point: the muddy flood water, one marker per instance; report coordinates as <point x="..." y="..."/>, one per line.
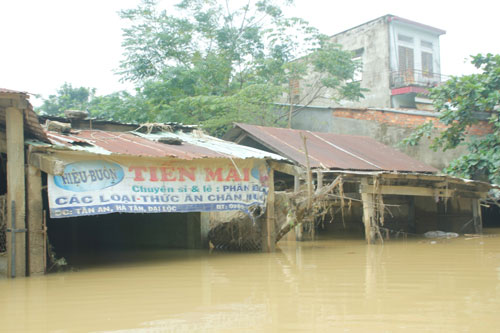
<point x="330" y="285"/>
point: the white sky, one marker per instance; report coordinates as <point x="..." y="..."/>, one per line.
<point x="46" y="43"/>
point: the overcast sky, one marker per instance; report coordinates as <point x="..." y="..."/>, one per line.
<point x="46" y="43"/>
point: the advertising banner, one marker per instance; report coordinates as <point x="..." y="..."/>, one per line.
<point x="101" y="187"/>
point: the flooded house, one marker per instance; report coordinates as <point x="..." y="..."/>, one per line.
<point x="77" y="184"/>
<point x="380" y="191"/>
<point x="93" y="185"/>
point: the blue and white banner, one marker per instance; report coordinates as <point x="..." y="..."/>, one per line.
<point x="103" y="187"/>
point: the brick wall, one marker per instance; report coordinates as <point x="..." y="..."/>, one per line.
<point x="404" y="120"/>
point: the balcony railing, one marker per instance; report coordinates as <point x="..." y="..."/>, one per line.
<point x="416" y="78"/>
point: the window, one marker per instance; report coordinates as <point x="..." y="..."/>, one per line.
<point x="406" y="63"/>
<point x="426" y="44"/>
<point x="358" y="58"/>
<point x="404" y="38"/>
<point x="427" y="69"/>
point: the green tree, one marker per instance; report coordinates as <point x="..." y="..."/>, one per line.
<point x="210" y="63"/>
<point x="67" y="98"/>
<point x="461" y="103"/>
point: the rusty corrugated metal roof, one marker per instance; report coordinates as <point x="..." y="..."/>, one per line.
<point x="333" y="151"/>
<point x="193" y="145"/>
<point x="9" y="91"/>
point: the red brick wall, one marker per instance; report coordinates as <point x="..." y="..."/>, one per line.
<point x="404" y="120"/>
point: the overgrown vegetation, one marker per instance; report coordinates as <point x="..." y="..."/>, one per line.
<point x="209" y="63"/>
<point x="462" y="102"/>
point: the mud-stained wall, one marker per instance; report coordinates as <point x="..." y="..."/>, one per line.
<point x="405" y="214"/>
<point x="371" y="42"/>
<point x="454" y="214"/>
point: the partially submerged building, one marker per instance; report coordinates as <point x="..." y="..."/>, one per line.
<point x="384" y="191"/>
<point x="94" y="188"/>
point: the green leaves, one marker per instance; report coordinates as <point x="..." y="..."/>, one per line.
<point x="213" y="63"/>
<point x="67" y="98"/>
<point x="462" y="102"/>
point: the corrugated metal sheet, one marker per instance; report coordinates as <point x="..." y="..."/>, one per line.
<point x="333" y="151"/>
<point x="9" y="91"/>
<point x="194" y="145"/>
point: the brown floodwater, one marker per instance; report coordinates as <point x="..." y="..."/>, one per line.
<point x="330" y="285"/>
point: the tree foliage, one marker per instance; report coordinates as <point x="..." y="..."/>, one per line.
<point x="210" y="63"/>
<point x="214" y="64"/>
<point x="463" y="102"/>
<point x="67" y="97"/>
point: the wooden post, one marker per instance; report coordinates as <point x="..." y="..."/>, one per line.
<point x="16" y="204"/>
<point x="319" y="177"/>
<point x="269" y="244"/>
<point x="476" y="215"/>
<point x="36" y="231"/>
<point x="368" y="214"/>
<point x="298" y="229"/>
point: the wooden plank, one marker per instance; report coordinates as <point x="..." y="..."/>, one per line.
<point x="368" y="213"/>
<point x="289" y="169"/>
<point x="476" y="215"/>
<point x="36" y="237"/>
<point x="408" y="190"/>
<point x="47" y="163"/>
<point x="240" y="138"/>
<point x="15" y="192"/>
<point x="319" y="178"/>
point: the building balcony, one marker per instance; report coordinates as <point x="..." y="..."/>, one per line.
<point x="416" y="78"/>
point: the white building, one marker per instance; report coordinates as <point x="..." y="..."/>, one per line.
<point x="400" y="61"/>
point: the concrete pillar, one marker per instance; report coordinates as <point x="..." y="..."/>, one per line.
<point x="476" y="215"/>
<point x="36" y="232"/>
<point x="269" y="233"/>
<point x="368" y="213"/>
<point x="16" y="204"/>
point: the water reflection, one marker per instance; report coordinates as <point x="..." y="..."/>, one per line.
<point x="327" y="285"/>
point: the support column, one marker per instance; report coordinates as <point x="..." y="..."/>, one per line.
<point x="36" y="232"/>
<point x="299" y="228"/>
<point x="16" y="205"/>
<point x="269" y="232"/>
<point x="368" y="213"/>
<point x="319" y="178"/>
<point x="476" y="215"/>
